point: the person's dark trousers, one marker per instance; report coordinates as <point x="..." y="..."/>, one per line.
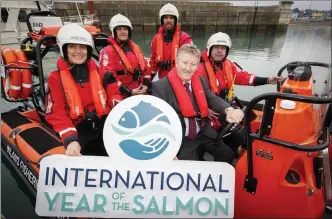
<point x="220" y="151"/>
<point x="188" y="149"/>
<point x="194" y="155"/>
<point x="91" y="137"/>
<point x="236" y="138"/>
<point x="92" y="143"/>
<point x="233" y="141"/>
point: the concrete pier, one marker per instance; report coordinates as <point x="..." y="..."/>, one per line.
<point x="210" y="16"/>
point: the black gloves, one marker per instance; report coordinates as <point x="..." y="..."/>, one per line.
<point x="125" y="90"/>
<point x="148" y="83"/>
<point x="223" y="93"/>
<point x="260" y="81"/>
<point x="137" y="73"/>
<point x="108" y="79"/>
<point x="164" y="65"/>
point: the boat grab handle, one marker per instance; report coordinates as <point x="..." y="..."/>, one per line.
<point x="250" y="180"/>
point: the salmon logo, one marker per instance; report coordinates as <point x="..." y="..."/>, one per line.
<point x="142" y="127"/>
<point x="145" y="128"/>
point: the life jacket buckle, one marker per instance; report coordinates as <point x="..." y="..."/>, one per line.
<point x="137" y="74"/>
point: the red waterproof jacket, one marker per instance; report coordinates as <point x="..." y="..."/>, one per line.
<point x="121" y="64"/>
<point x="169" y="49"/>
<point x="68" y="100"/>
<point x="223" y="78"/>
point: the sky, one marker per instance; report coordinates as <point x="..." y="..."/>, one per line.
<point x="318" y="5"/>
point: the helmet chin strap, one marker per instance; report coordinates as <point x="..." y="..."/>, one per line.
<point x="227" y="51"/>
<point x="174" y="26"/>
<point x="65" y="55"/>
<point x="217" y="62"/>
<point x="122" y="41"/>
<point x="169" y="30"/>
<point x="116" y="37"/>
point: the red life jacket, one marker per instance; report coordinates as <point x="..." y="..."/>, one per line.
<point x="135" y="48"/>
<point x="72" y="95"/>
<point x="160" y="44"/>
<point x="226" y="73"/>
<point x="187" y="108"/>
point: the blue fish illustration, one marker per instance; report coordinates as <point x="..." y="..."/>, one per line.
<point x="135" y="124"/>
<point x="142" y="152"/>
<point x="141" y="114"/>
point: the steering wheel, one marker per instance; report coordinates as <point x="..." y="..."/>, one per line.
<point x="292" y="65"/>
<point x="226" y="130"/>
<point x="289" y="65"/>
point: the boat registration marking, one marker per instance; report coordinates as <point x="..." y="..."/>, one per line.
<point x="31" y="178"/>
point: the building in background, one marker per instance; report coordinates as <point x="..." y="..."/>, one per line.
<point x="308" y="14"/>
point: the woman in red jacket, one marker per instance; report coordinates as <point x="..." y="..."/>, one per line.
<point x="76" y="105"/>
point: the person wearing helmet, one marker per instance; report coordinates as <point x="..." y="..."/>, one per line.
<point x="166" y="43"/>
<point x="221" y="73"/>
<point x="122" y="64"/>
<point x="76" y="102"/>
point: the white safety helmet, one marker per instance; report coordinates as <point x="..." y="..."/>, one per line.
<point x="74" y="34"/>
<point x="220" y="39"/>
<point x="168" y="9"/>
<point x="120" y="20"/>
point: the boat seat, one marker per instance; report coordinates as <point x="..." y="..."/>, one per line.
<point x="35" y="135"/>
<point x="13" y="119"/>
<point x="43" y="143"/>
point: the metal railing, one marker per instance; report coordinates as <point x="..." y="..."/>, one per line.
<point x="80" y="19"/>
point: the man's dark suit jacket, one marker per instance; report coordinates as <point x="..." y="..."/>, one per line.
<point x="163" y="89"/>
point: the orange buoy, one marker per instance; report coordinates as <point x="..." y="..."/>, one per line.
<point x="26" y="75"/>
<point x="14" y="79"/>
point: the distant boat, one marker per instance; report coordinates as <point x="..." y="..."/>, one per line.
<point x="14" y="27"/>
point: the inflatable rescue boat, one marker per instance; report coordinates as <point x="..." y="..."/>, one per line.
<point x="25" y="136"/>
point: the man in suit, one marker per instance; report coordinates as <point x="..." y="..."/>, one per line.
<point x="191" y="98"/>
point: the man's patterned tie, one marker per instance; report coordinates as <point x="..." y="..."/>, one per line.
<point x="192" y="121"/>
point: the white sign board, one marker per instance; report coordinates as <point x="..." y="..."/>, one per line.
<point x="140" y="179"/>
<point x="89" y="187"/>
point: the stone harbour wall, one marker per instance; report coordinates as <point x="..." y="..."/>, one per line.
<point x="144" y="15"/>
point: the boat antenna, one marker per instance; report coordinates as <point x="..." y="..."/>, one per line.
<point x="38" y="5"/>
<point x="79" y="14"/>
